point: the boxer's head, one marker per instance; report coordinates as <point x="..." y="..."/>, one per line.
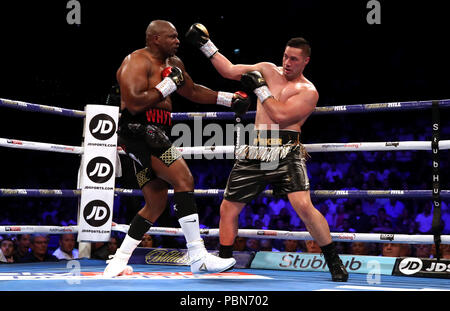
<point x="296" y="56"/>
<point x="163" y="36"/>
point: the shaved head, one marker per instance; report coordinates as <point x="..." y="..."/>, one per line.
<point x="157" y="27"/>
<point x="162" y="36"/>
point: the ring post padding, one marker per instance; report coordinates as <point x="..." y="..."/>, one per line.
<point x="97" y="174"/>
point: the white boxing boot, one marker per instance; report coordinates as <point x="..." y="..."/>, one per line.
<point x="118" y="264"/>
<point x="203" y="262"/>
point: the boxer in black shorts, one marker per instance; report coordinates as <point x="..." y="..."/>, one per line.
<point x="147" y="78"/>
<point x="285" y="172"/>
<point x="142" y="137"/>
<point x="285" y="100"/>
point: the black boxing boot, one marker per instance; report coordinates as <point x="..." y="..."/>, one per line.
<point x="334" y="263"/>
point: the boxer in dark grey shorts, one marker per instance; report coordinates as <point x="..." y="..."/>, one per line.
<point x="249" y="176"/>
<point x="285" y="100"/>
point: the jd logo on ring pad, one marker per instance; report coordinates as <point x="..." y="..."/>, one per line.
<point x="99" y="170"/>
<point x="96" y="213"/>
<point x="102" y="127"/>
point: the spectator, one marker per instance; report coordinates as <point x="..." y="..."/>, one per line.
<point x="253" y="245"/>
<point x="147" y="241"/>
<point x="404" y="222"/>
<point x="445" y="251"/>
<point x="334" y="176"/>
<point x="395" y="250"/>
<point x="385" y="227"/>
<point x="312" y="247"/>
<point x="22" y="246"/>
<point x="446" y="219"/>
<point x="359" y="248"/>
<point x="341" y="215"/>
<point x="422" y="250"/>
<point x="262" y="216"/>
<point x="99" y="250"/>
<point x="373" y="223"/>
<point x="246" y="217"/>
<point x="66" y="249"/>
<point x="291" y="246"/>
<point x="39" y="250"/>
<point x="7" y="248"/>
<point x="370" y="206"/>
<point x="276" y="205"/>
<point x="2" y="257"/>
<point x="394" y="208"/>
<point x="345" y="226"/>
<point x="360" y="220"/>
<point x="113" y="245"/>
<point x="424" y="219"/>
<point x="266" y="245"/>
<point x="240" y="244"/>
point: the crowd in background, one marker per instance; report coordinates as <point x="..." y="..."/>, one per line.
<point x="378" y="170"/>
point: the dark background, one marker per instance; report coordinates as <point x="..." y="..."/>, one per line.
<point x="47" y="61"/>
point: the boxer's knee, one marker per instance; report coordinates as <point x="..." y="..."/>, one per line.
<point x="230" y="210"/>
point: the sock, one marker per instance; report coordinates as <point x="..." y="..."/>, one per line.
<point x="225" y="251"/>
<point x="184" y="204"/>
<point x="138" y="227"/>
<point x="129" y="245"/>
<point x="190" y="226"/>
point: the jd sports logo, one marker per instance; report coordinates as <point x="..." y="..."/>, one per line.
<point x="102" y="126"/>
<point x="99" y="170"/>
<point x="410" y="265"/>
<point x="96" y="213"/>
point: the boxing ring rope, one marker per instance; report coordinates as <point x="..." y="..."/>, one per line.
<point x="183" y="116"/>
<point x="315" y="194"/>
<point x="247" y="233"/>
<point x="229" y="150"/>
<point x="250" y="233"/>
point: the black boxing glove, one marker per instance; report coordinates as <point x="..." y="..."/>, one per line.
<point x="254" y="81"/>
<point x="198" y="36"/>
<point x="113" y="98"/>
<point x="238" y="101"/>
<point x="172" y="79"/>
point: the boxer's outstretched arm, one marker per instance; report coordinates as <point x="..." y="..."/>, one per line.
<point x="192" y="91"/>
<point x="198" y="36"/>
<point x="231" y="71"/>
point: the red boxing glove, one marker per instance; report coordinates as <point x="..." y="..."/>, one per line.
<point x="172" y="79"/>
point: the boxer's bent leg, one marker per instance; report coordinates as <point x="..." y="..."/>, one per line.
<point x="155" y="193"/>
<point x="180" y="177"/>
<point x="314" y="221"/>
<point x="228" y="226"/>
<point x="245" y="182"/>
<point x="318" y="227"/>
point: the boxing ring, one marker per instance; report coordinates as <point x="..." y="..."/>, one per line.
<point x="86" y="274"/>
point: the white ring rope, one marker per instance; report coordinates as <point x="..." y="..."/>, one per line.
<point x="213" y="150"/>
<point x="247" y="233"/>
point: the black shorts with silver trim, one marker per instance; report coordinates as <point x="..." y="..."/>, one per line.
<point x="249" y="177"/>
